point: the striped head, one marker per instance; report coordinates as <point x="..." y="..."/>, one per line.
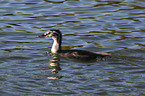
<point x="53" y="33"/>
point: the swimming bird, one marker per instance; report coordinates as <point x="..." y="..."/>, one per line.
<point x="79" y="54"/>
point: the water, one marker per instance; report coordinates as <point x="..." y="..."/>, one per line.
<point x="114" y="26"/>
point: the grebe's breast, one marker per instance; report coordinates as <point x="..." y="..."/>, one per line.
<point x="82" y="54"/>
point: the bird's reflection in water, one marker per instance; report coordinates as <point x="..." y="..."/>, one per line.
<point x="55" y="66"/>
<point x="54" y="63"/>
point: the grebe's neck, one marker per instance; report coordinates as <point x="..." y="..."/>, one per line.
<point x="56" y="45"/>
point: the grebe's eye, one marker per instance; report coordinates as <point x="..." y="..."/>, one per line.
<point x="54" y="34"/>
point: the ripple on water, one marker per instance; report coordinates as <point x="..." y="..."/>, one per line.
<point x="106" y="26"/>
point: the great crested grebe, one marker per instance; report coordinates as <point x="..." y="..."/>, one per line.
<point x="79" y="54"/>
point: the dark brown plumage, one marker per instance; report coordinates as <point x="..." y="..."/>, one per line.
<point x="78" y="54"/>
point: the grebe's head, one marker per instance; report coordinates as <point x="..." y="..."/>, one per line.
<point x="53" y="33"/>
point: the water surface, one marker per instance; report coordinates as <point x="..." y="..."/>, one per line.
<point x="114" y="26"/>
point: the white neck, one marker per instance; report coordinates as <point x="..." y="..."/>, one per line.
<point x="55" y="47"/>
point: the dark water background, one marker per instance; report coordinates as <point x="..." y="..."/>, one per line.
<point x="114" y="26"/>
